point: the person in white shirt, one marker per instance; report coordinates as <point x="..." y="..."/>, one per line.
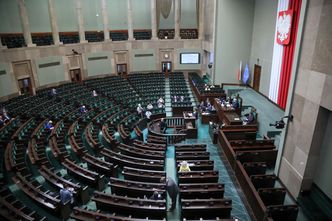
<point x="94" y="93"/>
<point x="140" y="110"/>
<point x="149" y="107"/>
<point x="148" y="114"/>
<point x="160" y="102"/>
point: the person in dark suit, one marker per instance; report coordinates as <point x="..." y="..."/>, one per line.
<point x="163" y="125"/>
<point x="172" y="190"/>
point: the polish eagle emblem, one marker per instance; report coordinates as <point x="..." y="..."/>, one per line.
<point x="284" y="27"/>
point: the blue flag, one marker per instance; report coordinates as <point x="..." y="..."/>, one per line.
<point x="246" y="75"/>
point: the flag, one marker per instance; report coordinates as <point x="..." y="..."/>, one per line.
<point x="239" y="72"/>
<point x="246" y="74"/>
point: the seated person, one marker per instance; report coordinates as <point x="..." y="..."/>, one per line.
<point x="66" y="195"/>
<point x="94" y="93"/>
<point x="148" y="114"/>
<point x="175" y="98"/>
<point x="53" y="92"/>
<point x="184" y="167"/>
<point x="149" y="107"/>
<point x="156" y="195"/>
<point x="250" y="118"/>
<point x="235" y="103"/>
<point x="83" y="109"/>
<point x="117" y="136"/>
<point x="160" y="102"/>
<point x="49" y="125"/>
<point x="139" y="110"/>
<point x="5" y="117"/>
<point x="195" y="113"/>
<point x="163" y="125"/>
<point x="181" y="98"/>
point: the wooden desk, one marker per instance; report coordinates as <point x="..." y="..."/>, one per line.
<point x="189" y="117"/>
<point x="209" y="117"/>
<point x="232" y="118"/>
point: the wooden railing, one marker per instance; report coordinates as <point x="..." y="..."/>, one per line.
<point x="174" y="122"/>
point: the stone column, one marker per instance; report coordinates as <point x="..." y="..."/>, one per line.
<point x="105" y="20"/>
<point x="25" y="24"/>
<point x="81" y="29"/>
<point x="54" y="25"/>
<point x="177" y="19"/>
<point x="201" y="19"/>
<point x="130" y="21"/>
<point x="153" y="20"/>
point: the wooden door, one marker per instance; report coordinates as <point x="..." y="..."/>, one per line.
<point x="75" y="75"/>
<point x="25" y="86"/>
<point x="122" y="70"/>
<point x="257" y="77"/>
<point x="166" y="67"/>
<point x="23" y="74"/>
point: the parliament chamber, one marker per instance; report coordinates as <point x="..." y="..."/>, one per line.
<point x="191" y="110"/>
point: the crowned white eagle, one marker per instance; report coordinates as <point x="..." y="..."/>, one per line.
<point x="283" y="27"/>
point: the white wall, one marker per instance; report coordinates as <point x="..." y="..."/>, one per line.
<point x="262" y="40"/>
<point x="51" y="74"/>
<point x="99" y="63"/>
<point x="234" y="25"/>
<point x="143" y="63"/>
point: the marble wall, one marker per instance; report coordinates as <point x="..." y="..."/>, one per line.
<point x="311" y="99"/>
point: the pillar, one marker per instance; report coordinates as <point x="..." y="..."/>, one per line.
<point x="105" y="20"/>
<point x="153" y="20"/>
<point x="177" y="18"/>
<point x="130" y="21"/>
<point x="81" y="30"/>
<point x="25" y="24"/>
<point x="54" y="25"/>
<point x="201" y="19"/>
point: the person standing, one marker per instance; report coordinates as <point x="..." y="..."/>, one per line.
<point x="172" y="190"/>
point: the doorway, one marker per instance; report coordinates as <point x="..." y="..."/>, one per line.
<point x="122" y="70"/>
<point x="25" y="86"/>
<point x="257" y="77"/>
<point x="166" y="67"/>
<point x="75" y="75"/>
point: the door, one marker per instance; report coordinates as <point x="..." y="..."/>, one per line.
<point x="257" y="77"/>
<point x="122" y="70"/>
<point x="25" y="86"/>
<point x="75" y="75"/>
<point x="166" y="67"/>
<point x="23" y="75"/>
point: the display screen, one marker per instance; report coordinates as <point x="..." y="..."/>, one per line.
<point x="189" y="58"/>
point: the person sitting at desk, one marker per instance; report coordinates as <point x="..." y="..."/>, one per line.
<point x="235" y="103"/>
<point x="250" y="118"/>
<point x="149" y="107"/>
<point x="148" y="114"/>
<point x="139" y="110"/>
<point x="184" y="167"/>
<point x="66" y="195"/>
<point x="163" y="125"/>
<point x="160" y="102"/>
<point x="117" y="136"/>
<point x="49" y="126"/>
<point x="94" y="93"/>
<point x="181" y="98"/>
<point x="53" y="93"/>
<point x="83" y="109"/>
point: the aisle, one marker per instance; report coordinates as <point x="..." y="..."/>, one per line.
<point x="226" y="174"/>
